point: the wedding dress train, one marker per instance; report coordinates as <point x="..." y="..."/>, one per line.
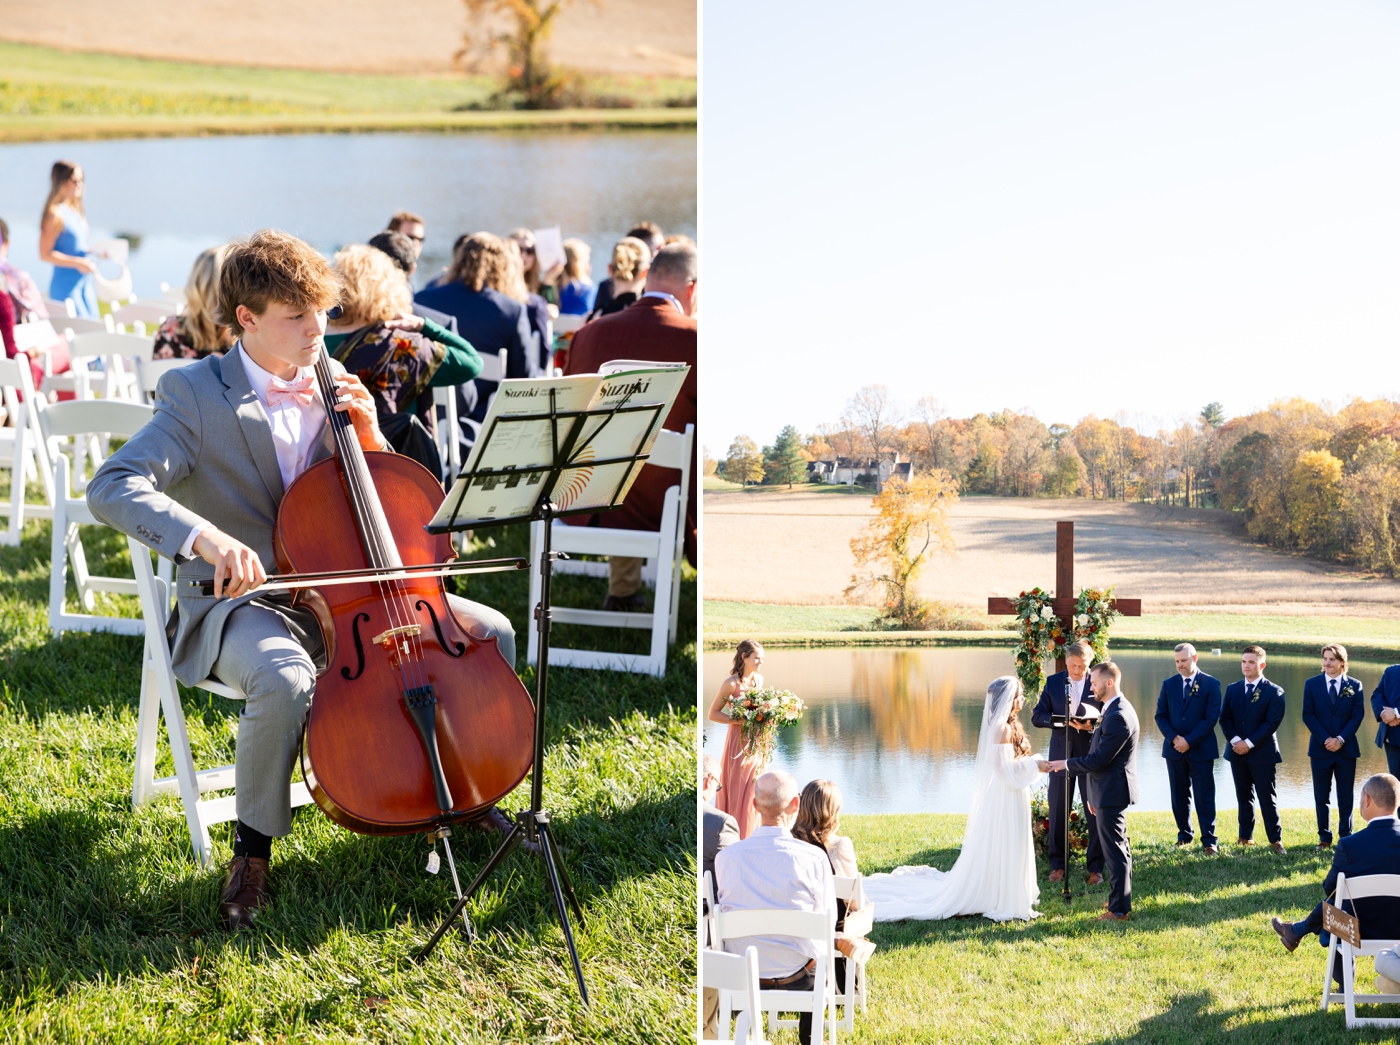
<point x="994" y="875"/>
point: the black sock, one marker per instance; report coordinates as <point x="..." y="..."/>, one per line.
<point x="250" y="842"/>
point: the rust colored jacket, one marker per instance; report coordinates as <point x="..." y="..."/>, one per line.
<point x="652" y="329"/>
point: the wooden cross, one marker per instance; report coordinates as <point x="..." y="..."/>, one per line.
<point x="1063" y="603"/>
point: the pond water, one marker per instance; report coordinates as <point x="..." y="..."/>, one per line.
<point x="896" y="729"/>
<point x="182" y="195"/>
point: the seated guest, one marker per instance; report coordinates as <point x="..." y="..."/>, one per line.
<point x="658" y="328"/>
<point x="409" y="225"/>
<point x="537" y="282"/>
<point x="650" y="234"/>
<point x="1376" y="850"/>
<point x="20" y="302"/>
<point x="772" y="870"/>
<point x="576" y="290"/>
<point x="486" y="317"/>
<point x="721" y="829"/>
<point x="195" y="333"/>
<point x="512" y="285"/>
<point x="818" y="817"/>
<point x="398" y="356"/>
<point x="627" y="274"/>
<point x="404" y="254"/>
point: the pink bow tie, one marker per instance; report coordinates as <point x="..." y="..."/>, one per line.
<point x="279" y="390"/>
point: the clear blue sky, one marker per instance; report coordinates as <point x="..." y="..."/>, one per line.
<point x="1074" y="207"/>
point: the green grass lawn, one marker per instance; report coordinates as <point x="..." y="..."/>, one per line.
<point x="1197" y="963"/>
<point x="45" y="93"/>
<point x="108" y="930"/>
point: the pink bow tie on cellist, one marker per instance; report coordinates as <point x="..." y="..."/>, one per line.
<point x="302" y="391"/>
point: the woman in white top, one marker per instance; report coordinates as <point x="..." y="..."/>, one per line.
<point x="994" y="875"/>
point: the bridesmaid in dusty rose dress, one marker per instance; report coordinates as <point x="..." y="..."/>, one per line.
<point x="737" y="772"/>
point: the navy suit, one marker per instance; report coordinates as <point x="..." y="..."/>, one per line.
<point x="1191" y="711"/>
<point x="1112" y="767"/>
<point x="1326" y="718"/>
<point x="1387" y="695"/>
<point x="1051" y="703"/>
<point x="1254" y="717"/>
<point x="1374" y="850"/>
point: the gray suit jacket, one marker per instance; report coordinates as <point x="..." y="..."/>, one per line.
<point x="721" y="830"/>
<point x="206" y="456"/>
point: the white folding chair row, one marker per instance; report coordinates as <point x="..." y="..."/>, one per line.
<point x="734" y="976"/>
<point x="79" y="419"/>
<point x="150" y="313"/>
<point x="663" y="548"/>
<point x="160" y="695"/>
<point x="817" y="926"/>
<point x="1367" y="886"/>
<point x="858" y="923"/>
<point x="101" y="360"/>
<point x="19" y="444"/>
<point x="74" y="325"/>
<point x="58" y="309"/>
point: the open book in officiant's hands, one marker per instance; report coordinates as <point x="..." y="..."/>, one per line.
<point x="1087" y="714"/>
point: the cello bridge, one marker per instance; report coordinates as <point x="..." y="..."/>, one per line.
<point x="387" y="639"/>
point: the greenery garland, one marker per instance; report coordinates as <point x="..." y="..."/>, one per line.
<point x="1043" y="637"/>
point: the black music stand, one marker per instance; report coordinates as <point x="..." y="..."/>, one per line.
<point x="568" y="442"/>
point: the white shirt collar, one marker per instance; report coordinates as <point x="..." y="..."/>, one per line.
<point x="257" y="376"/>
<point x="1191" y="677"/>
<point x="669" y="297"/>
<point x="1384" y="816"/>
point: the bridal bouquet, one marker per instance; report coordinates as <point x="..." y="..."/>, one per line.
<point x="759" y="713"/>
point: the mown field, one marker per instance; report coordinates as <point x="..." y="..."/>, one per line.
<point x="108" y="931"/>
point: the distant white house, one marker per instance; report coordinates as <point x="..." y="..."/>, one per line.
<point x="849" y="470"/>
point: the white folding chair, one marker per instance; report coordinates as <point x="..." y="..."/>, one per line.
<point x="36" y="336"/>
<point x="161" y="696"/>
<point x="858" y="924"/>
<point x="568" y="324"/>
<point x="19" y="444"/>
<point x="78" y="419"/>
<point x="151" y="313"/>
<point x="173" y="295"/>
<point x="733" y="975"/>
<point x="663" y="548"/>
<point x="449" y="434"/>
<point x="112" y="350"/>
<point x="817" y="926"/>
<point x="150" y="371"/>
<point x="73" y="325"/>
<point x="1371" y="885"/>
<point x="58" y="309"/>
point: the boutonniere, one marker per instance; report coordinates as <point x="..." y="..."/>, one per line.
<point x="1195" y="688"/>
<point x="1255" y="695"/>
<point x="1347" y="691"/>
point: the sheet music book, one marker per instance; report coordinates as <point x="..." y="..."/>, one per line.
<point x="514" y="454"/>
<point x="1087" y="713"/>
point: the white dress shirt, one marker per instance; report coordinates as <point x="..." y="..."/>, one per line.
<point x="1076" y="694"/>
<point x="1235" y="739"/>
<point x="669" y="297"/>
<point x="295" y="428"/>
<point x="772" y="870"/>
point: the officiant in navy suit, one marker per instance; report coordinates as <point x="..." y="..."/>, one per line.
<point x="1385" y="702"/>
<point x="1111" y="766"/>
<point x="1249" y="718"/>
<point x="1073" y="683"/>
<point x="1188" y="708"/>
<point x="1334" y="705"/>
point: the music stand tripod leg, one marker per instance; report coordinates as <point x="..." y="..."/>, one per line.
<point x="547" y="836"/>
<point x="504" y="850"/>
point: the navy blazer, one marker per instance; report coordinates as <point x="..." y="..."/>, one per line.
<point x="1324" y="721"/>
<point x="1112" y="759"/>
<point x="1191" y="716"/>
<point x="1256" y="721"/>
<point x="1376" y="850"/>
<point x="1052" y="702"/>
<point x="1387" y="695"/>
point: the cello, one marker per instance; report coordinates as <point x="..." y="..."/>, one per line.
<point x="415" y="723"/>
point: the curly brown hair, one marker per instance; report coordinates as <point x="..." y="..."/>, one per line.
<point x="818" y="813"/>
<point x="746" y="649"/>
<point x="480" y="261"/>
<point x="1020" y="743"/>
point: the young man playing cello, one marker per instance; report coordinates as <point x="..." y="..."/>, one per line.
<point x="201" y="483"/>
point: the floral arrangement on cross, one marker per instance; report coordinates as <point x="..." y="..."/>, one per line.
<point x="1043" y="636"/>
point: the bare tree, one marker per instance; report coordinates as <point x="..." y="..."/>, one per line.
<point x="873" y="413"/>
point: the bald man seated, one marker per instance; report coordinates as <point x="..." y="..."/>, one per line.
<point x="772" y="870"/>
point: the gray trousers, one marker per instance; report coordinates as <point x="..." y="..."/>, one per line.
<point x="273" y="663"/>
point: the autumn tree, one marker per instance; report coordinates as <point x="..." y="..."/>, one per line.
<point x="743" y="463"/>
<point x="910" y="526"/>
<point x="1371" y="499"/>
<point x="519" y="28"/>
<point x="785" y="461"/>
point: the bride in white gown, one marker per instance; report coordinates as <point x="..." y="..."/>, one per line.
<point x="994" y="875"/>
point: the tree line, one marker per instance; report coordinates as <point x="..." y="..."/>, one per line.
<point x="1303" y="476"/>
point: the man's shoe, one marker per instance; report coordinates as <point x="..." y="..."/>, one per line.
<point x="1095" y="878"/>
<point x="1109" y="916"/>
<point x="625" y="604"/>
<point x="1287" y="935"/>
<point x="1278" y="848"/>
<point x="1323" y="846"/>
<point x="245" y="891"/>
<point x="494" y="820"/>
<point x="1246" y="841"/>
<point x="1057" y="875"/>
<point x="1184" y="845"/>
<point x="1211" y="850"/>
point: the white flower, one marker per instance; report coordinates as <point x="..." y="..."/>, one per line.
<point x="1046" y="612"/>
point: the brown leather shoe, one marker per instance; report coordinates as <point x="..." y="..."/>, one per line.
<point x="1246" y="841"/>
<point x="1211" y="850"/>
<point x="1095" y="878"/>
<point x="1057" y="875"/>
<point x="494" y="820"/>
<point x="1287" y="935"/>
<point x="1184" y="845"/>
<point x="1278" y="848"/>
<point x="245" y="891"/>
<point x="1109" y="916"/>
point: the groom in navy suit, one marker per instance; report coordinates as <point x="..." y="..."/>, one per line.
<point x="1385" y="702"/>
<point x="1334" y="705"/>
<point x="1188" y="708"/>
<point x="1375" y="850"/>
<point x="1072" y="684"/>
<point x="1112" y="767"/>
<point x="1249" y="718"/>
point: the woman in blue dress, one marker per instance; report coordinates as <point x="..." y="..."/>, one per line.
<point x="63" y="241"/>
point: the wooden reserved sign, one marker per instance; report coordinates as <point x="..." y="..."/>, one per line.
<point x="1341" y="925"/>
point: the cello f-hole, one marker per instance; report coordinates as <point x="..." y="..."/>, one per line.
<point x="424" y="604"/>
<point x="359" y="649"/>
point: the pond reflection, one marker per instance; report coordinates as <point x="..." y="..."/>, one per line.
<point x="896" y="729"/>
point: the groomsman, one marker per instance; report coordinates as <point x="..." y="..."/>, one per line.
<point x="1385" y="702"/>
<point x="1249" y="718"/>
<point x="1073" y="684"/>
<point x="1333" y="708"/>
<point x="1188" y="708"/>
